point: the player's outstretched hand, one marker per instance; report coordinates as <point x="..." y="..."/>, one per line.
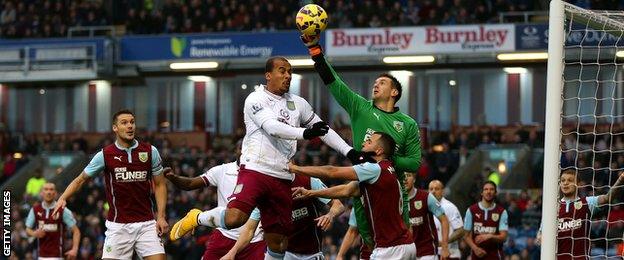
<point x="168" y="172"/>
<point x="300" y="193"/>
<point x="162" y="226"/>
<point x="324" y="222"/>
<point x="482" y="238"/>
<point x="318" y="129"/>
<point x="357" y="157"/>
<point x="40" y="233"/>
<point x="310" y="41"/>
<point x="71" y="254"/>
<point x="60" y="204"/>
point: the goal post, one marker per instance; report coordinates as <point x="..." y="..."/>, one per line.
<point x="584" y="100"/>
<point x="552" y="133"/>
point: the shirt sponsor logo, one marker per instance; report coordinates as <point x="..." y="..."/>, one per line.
<point x="572" y="224"/>
<point x="50" y="227"/>
<point x="479" y="228"/>
<point x="416" y="221"/>
<point x="284" y="114"/>
<point x="131" y="176"/>
<point x="299" y="213"/>
<point x="237" y="189"/>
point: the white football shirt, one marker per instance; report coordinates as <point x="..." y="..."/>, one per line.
<point x="224" y="177"/>
<point x="262" y="152"/>
<point x="455" y="221"/>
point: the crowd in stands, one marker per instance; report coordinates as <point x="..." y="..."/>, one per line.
<point x="52" y="18"/>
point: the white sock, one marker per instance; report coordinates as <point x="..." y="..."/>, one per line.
<point x="270" y="255"/>
<point x="212" y="218"/>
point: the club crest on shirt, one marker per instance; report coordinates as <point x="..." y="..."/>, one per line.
<point x="398" y="125"/>
<point x="495" y="216"/>
<point x="290" y="105"/>
<point x="238" y="189"/>
<point x="418" y="204"/>
<point x="143" y="156"/>
<point x="578" y="205"/>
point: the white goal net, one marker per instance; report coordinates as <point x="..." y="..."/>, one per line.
<point x="584" y="127"/>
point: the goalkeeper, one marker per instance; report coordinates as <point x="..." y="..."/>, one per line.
<point x="368" y="117"/>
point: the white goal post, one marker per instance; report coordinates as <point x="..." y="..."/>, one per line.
<point x="600" y="59"/>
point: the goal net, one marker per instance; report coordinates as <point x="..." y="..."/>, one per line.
<point x="584" y="127"/>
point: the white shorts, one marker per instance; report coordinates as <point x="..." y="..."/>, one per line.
<point x="428" y="257"/>
<point x="293" y="256"/>
<point x="400" y="252"/>
<point x="50" y="258"/>
<point x="122" y="239"/>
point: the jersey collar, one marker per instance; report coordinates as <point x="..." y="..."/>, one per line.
<point x="396" y="109"/>
<point x="490" y="208"/>
<point x="135" y="144"/>
<point x="412" y="193"/>
<point x="45" y="206"/>
<point x="271" y="94"/>
<point x="567" y="200"/>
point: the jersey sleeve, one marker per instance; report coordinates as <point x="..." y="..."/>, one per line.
<point x="307" y="114"/>
<point x="68" y="218"/>
<point x="157" y="168"/>
<point x="434" y="206"/>
<point x="30" y="219"/>
<point x="255" y="214"/>
<point x="468" y="221"/>
<point x="96" y="165"/>
<point x="503" y="224"/>
<point x="211" y="177"/>
<point x="410" y="161"/>
<point x="346" y="98"/>
<point x="592" y="202"/>
<point x="352" y="221"/>
<point x="317" y="184"/>
<point x="367" y="172"/>
<point x="256" y="110"/>
<point x="455" y="219"/>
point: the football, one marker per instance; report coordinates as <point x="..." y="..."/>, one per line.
<point x="311" y="20"/>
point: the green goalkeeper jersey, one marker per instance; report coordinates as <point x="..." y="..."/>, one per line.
<point x="367" y="119"/>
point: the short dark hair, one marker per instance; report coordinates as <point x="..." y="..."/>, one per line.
<point x="121" y="112"/>
<point x="395" y="84"/>
<point x="493" y="184"/>
<point x="569" y="171"/>
<point x="270" y="63"/>
<point x="387" y="143"/>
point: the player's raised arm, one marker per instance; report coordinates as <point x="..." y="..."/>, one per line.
<point x="616" y="189"/>
<point x="347" y="99"/>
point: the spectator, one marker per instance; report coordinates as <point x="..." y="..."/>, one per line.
<point x="35" y="183"/>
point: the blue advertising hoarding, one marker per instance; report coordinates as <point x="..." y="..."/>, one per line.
<point x="99" y="43"/>
<point x="535" y="37"/>
<point x="210" y="46"/>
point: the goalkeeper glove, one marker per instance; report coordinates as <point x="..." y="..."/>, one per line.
<point x="358" y="157"/>
<point x="318" y="129"/>
<point x="312" y="42"/>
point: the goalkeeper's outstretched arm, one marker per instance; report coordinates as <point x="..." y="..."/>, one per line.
<point x="347" y="99"/>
